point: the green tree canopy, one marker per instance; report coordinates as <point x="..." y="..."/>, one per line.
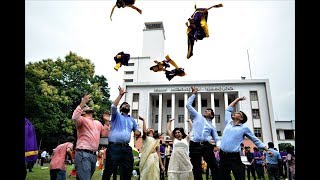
<point x="53" y="89"/>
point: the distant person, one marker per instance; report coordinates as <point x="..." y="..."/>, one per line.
<point x="233" y="135"/>
<point x="89" y="132"/>
<point x="273" y="160"/>
<point x="258" y="163"/>
<point x="291" y="163"/>
<point x="58" y="159"/>
<point x="119" y="153"/>
<point x="43" y="156"/>
<point x="201" y="135"/>
<point x="123" y="4"/>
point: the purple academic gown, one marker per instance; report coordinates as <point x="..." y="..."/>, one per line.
<point x="30" y="139"/>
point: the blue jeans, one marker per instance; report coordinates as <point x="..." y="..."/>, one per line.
<point x="85" y="164"/>
<point x="57" y="174"/>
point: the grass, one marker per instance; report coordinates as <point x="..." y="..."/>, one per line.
<point x="43" y="173"/>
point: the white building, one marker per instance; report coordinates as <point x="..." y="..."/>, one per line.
<point x="286" y="131"/>
<point x="157" y="99"/>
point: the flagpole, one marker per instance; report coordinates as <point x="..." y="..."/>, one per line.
<point x="249" y="63"/>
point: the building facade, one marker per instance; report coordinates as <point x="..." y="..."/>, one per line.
<point x="157" y="100"/>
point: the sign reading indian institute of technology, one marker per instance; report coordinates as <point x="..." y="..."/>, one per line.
<point x="187" y="89"/>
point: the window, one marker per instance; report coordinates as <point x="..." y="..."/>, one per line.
<point x="181" y="118"/>
<point x="156" y="118"/>
<point x="135" y="97"/>
<point x="288" y="134"/>
<point x="253" y="96"/>
<point x="219" y="133"/>
<point x="217" y="118"/>
<point x="128" y="72"/>
<point x="128" y="80"/>
<point x="216" y="103"/>
<point x="204" y="103"/>
<point x="255" y="114"/>
<point x="278" y="134"/>
<point x="157" y="103"/>
<point x="181" y="103"/>
<point x="168" y="103"/>
<point x="257" y="132"/>
<point x="130" y="64"/>
<point x="134" y="114"/>
<point x="168" y="117"/>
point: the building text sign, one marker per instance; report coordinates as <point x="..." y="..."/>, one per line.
<point x="188" y="89"/>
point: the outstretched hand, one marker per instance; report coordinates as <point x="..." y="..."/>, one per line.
<point x="242" y="98"/>
<point x="121" y="90"/>
<point x="171" y="119"/>
<point x="141" y="118"/>
<point x="194" y="90"/>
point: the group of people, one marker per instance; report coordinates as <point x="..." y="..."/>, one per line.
<point x="185" y="157"/>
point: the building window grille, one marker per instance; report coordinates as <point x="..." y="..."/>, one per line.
<point x="181" y="118"/>
<point x="168" y="103"/>
<point x="181" y="103"/>
<point x="288" y="134"/>
<point x="156" y="118"/>
<point x="204" y="103"/>
<point x="216" y="103"/>
<point x="135" y="97"/>
<point x="255" y="114"/>
<point x="257" y="132"/>
<point x="130" y="64"/>
<point x="217" y="118"/>
<point x="157" y="103"/>
<point x="134" y="114"/>
<point x="253" y="96"/>
<point x="128" y="72"/>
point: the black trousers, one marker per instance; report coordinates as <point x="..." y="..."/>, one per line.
<point x="205" y="151"/>
<point x="121" y="157"/>
<point x="231" y="162"/>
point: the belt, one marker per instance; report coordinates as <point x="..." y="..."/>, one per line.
<point x="229" y="153"/>
<point x="119" y="144"/>
<point x="200" y="143"/>
<point x="87" y="151"/>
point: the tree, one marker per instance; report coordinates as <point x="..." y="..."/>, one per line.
<point x="53" y="89"/>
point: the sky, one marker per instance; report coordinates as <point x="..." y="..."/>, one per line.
<point x="254" y="39"/>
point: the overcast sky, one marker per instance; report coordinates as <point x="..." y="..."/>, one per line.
<point x="265" y="28"/>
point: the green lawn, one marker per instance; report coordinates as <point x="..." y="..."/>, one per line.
<point x="43" y="173"/>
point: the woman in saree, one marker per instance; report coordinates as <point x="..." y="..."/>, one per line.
<point x="150" y="155"/>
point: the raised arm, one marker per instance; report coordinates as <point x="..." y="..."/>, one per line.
<point x="121" y="93"/>
<point x="192" y="111"/>
<point x="237" y="100"/>
<point x="144" y="129"/>
<point x="112" y="12"/>
<point x="169" y="128"/>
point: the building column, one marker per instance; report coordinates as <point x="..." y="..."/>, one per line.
<point x="225" y="100"/>
<point x="160" y="113"/>
<point x="199" y="102"/>
<point x="173" y="99"/>
<point x="186" y="116"/>
<point x="213" y="107"/>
